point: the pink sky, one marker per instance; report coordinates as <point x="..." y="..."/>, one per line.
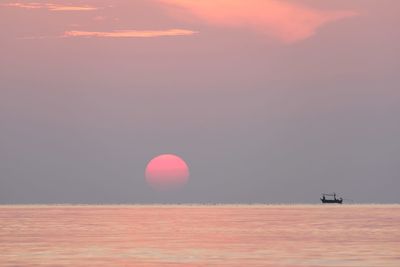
<point x="284" y="21"/>
<point x="265" y="100"/>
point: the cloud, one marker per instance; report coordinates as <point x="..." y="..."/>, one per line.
<point x="129" y="33"/>
<point x="285" y="21"/>
<point x="50" y="7"/>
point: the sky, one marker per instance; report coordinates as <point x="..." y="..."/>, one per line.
<point x="269" y="101"/>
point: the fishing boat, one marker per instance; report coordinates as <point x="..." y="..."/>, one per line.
<point x="331" y="198"/>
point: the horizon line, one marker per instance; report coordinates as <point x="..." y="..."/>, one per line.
<point x="191" y="204"/>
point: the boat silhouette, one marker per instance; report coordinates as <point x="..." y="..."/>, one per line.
<point x="331" y="200"/>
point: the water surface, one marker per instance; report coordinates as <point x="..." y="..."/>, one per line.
<point x="187" y="235"/>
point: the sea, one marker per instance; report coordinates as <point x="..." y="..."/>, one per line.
<point x="200" y="235"/>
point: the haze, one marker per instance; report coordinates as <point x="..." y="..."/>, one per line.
<point x="267" y="101"/>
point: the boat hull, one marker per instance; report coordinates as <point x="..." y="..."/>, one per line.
<point x="332" y="201"/>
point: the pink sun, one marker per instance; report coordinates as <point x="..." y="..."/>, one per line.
<point x="167" y="172"/>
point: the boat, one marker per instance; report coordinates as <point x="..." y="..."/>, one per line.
<point x="327" y="199"/>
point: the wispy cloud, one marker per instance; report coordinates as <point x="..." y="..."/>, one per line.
<point x="50" y="6"/>
<point x="129" y="33"/>
<point x="285" y="21"/>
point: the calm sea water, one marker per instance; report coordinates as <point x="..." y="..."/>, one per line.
<point x="255" y="235"/>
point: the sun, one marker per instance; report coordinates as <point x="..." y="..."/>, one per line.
<point x="166" y="172"/>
